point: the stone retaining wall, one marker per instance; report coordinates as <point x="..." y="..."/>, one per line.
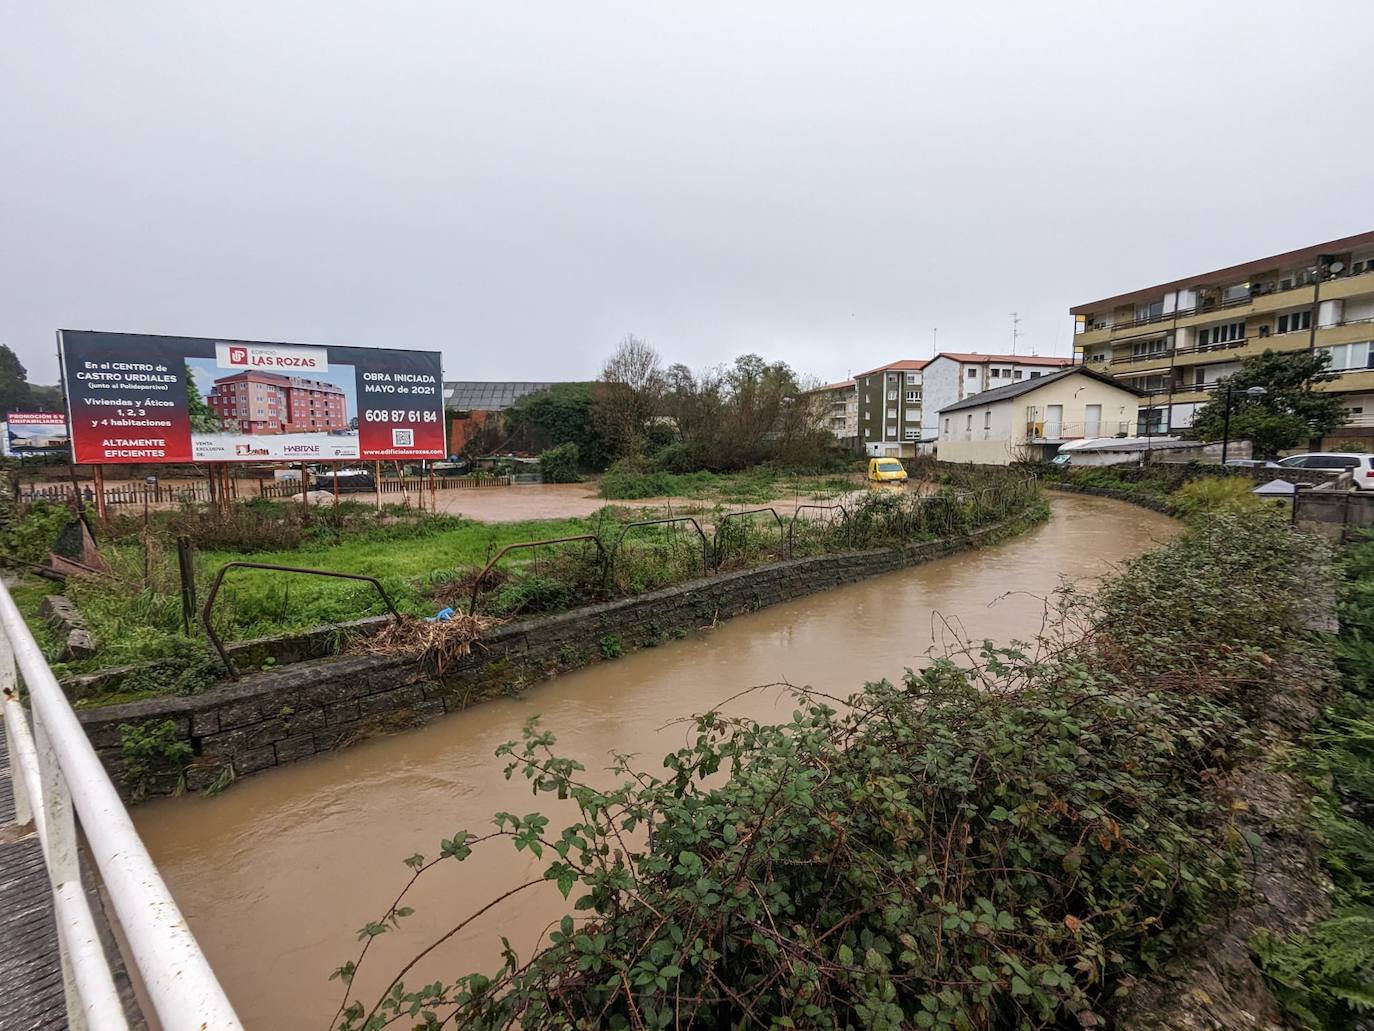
<point x="1154" y="504"/>
<point x="282" y="715"/>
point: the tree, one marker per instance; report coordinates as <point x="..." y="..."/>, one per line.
<point x="629" y="394"/>
<point x="203" y="417"/>
<point x="562" y="414"/>
<point x="1287" y="415"/>
<point x="15" y="392"/>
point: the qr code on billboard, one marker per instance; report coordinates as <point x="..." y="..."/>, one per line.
<point x="402" y="438"/>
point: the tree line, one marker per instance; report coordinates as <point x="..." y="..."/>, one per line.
<point x="645" y="414"/>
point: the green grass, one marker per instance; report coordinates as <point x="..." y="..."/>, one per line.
<point x="258" y="602"/>
<point x="751" y="486"/>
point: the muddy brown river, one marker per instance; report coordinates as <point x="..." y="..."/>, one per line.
<point x="277" y="874"/>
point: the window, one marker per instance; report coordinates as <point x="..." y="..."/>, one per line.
<point x="947" y="429"/>
<point x="913" y="415"/>
<point x="1035" y="375"/>
<point x="912" y="396"/>
<point x="892" y="413"/>
<point x="1148" y="348"/>
<point x="910" y="434"/>
<point x="867" y="397"/>
<point x="1294" y="321"/>
<point x="972" y="373"/>
<point x="1348" y="357"/>
<point x="1149" y="311"/>
<point x="987" y="419"/>
<point x="995" y="374"/>
<point x="913" y="377"/>
<point x="892" y="395"/>
<point x="1226" y="333"/>
<point x="1099" y="358"/>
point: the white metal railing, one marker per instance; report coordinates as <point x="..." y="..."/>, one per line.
<point x="58" y="779"/>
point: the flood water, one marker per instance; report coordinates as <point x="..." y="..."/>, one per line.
<point x="278" y="874"/>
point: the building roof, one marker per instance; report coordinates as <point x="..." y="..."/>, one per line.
<point x="486" y="395"/>
<point x="974" y="358"/>
<point x="1232" y="273"/>
<point x="842" y="385"/>
<point x="901" y="365"/>
<point x="1025" y="386"/>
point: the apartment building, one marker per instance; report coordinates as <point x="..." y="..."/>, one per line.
<point x="1029" y="419"/>
<point x="264" y="402"/>
<point x="889" y="406"/>
<point x="838" y="408"/>
<point x="1175" y="340"/>
<point x="951" y="376"/>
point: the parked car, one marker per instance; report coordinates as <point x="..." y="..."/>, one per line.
<point x="350" y="481"/>
<point x="1249" y="463"/>
<point x="1361" y="466"/>
<point x="886" y="470"/>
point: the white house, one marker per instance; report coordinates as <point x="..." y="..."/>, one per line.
<point x="952" y="376"/>
<point x="1029" y="419"/>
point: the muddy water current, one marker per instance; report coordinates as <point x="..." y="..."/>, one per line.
<point x="278" y="873"/>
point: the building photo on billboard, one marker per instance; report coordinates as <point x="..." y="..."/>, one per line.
<point x="29" y="434"/>
<point x="139" y="398"/>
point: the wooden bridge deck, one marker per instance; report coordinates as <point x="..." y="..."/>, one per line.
<point x="31" y="996"/>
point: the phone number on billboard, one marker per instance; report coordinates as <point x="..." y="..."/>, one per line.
<point x="398" y="415"/>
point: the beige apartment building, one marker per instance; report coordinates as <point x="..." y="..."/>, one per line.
<point x="1029" y="420"/>
<point x="838" y="408"/>
<point x="1174" y="341"/>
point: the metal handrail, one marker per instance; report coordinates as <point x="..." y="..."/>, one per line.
<point x="219" y="579"/>
<point x="791" y="523"/>
<point x="715" y="542"/>
<point x="482" y="576"/>
<point x="620" y="539"/>
<point x="59" y="779"/>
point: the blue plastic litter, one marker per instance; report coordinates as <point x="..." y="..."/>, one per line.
<point x="443" y="615"/>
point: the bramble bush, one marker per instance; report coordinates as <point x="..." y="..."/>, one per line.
<point x="1001" y="840"/>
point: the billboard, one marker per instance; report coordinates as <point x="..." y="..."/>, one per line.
<point x="36" y="433"/>
<point x="135" y="398"/>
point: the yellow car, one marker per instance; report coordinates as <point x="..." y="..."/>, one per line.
<point x="886" y="470"/>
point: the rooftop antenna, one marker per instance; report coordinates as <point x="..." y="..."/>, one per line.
<point x="935" y="341"/>
<point x="1015" y="330"/>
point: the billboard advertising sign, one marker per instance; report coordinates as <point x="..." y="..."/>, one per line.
<point x="135" y="398"/>
<point x="36" y="433"/>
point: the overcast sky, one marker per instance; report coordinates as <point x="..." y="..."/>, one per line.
<point x="521" y="184"/>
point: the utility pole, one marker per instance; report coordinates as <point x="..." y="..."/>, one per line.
<point x="1015" y="330"/>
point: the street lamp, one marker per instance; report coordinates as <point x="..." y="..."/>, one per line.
<point x="1226" y="418"/>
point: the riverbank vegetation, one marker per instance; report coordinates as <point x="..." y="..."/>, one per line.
<point x="428" y="562"/>
<point x="1324" y="977"/>
<point x="1008" y="838"/>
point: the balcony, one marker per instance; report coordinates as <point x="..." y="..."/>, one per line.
<point x="1040" y="432"/>
<point x="1262" y="298"/>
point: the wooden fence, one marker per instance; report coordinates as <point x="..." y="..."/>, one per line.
<point x="404" y="485"/>
<point x="123" y="494"/>
<point x="177" y="493"/>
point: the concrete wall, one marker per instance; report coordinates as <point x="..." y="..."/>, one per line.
<point x="286" y="714"/>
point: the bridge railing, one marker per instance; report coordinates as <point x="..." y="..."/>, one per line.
<point x="58" y="781"/>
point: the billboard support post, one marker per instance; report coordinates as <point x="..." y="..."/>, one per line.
<point x="305" y="488"/>
<point x="377" y="482"/>
<point x="336" y="483"/>
<point x="100" y="492"/>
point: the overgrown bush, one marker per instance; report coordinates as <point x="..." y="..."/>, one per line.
<point x="28" y="532"/>
<point x="1211" y="494"/>
<point x="1000" y="841"/>
<point x="559" y="464"/>
<point x="1325" y="977"/>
